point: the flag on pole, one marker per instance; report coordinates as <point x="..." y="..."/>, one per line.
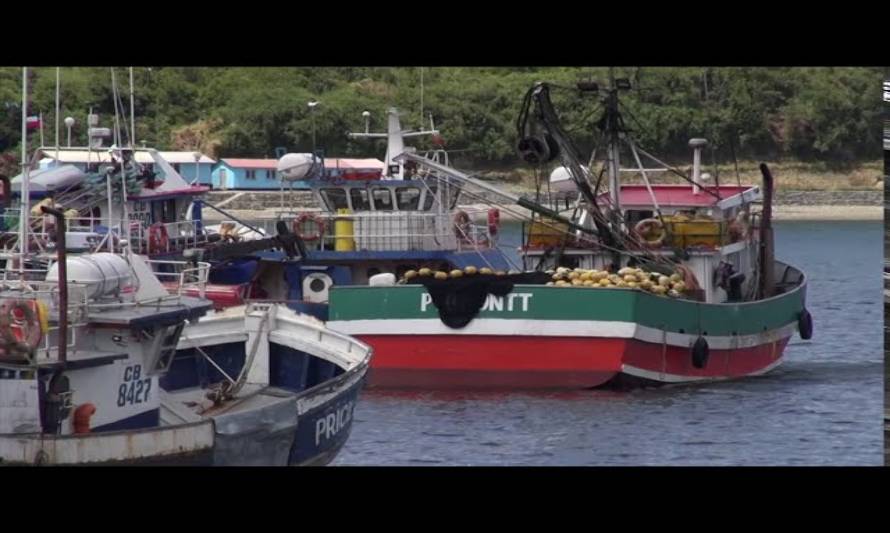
<point x="32" y="122"/>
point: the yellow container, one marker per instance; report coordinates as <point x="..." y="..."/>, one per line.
<point x="43" y="316"/>
<point x="344" y="232"/>
<point x="686" y="231"/>
<point x="545" y="232"/>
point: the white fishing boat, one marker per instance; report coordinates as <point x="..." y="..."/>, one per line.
<point x="99" y="366"/>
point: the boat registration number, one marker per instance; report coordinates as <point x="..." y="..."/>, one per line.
<point x="134" y="389"/>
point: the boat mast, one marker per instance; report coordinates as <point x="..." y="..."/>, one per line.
<point x="26" y="189"/>
<point x="58" y="71"/>
<point x="132" y="113"/>
<point x="421" y="98"/>
<point x="613" y="152"/>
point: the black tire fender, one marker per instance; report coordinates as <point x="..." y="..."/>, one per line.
<point x="700" y="352"/>
<point x="805" y="325"/>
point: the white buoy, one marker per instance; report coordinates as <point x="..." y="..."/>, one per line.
<point x="293" y="167"/>
<point x="561" y="180"/>
<point x="382" y="280"/>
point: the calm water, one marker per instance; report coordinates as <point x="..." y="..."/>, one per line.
<point x="823" y="406"/>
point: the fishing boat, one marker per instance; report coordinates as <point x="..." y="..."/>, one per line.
<point x="644" y="284"/>
<point x="142" y="380"/>
<point x="367" y="225"/>
<point x="103" y="363"/>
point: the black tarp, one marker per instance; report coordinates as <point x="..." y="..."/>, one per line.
<point x="460" y="299"/>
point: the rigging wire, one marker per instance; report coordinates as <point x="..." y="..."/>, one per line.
<point x="616" y="240"/>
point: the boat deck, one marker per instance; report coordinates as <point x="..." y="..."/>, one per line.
<point x="192" y="404"/>
<point x="164" y="310"/>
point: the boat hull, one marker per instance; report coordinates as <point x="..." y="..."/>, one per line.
<point x="552" y="337"/>
<point x="325" y="420"/>
<point x="308" y="429"/>
<point x="487" y="362"/>
<point x="184" y="444"/>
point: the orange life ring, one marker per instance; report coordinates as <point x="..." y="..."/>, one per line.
<point x="20" y="326"/>
<point x="158" y="240"/>
<point x="494" y="221"/>
<point x="462" y="226"/>
<point x="309" y="237"/>
<point x="644" y="228"/>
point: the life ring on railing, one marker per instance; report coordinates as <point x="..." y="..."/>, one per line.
<point x="645" y="230"/>
<point x="309" y="237"/>
<point x="494" y="221"/>
<point x="23" y="324"/>
<point x="158" y="239"/>
<point x="462" y="226"/>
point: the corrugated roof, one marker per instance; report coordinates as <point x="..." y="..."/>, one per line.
<point x="251" y="163"/>
<point x="100" y="155"/>
<point x="675" y="195"/>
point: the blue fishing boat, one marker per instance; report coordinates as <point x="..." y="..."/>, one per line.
<point x="364" y="231"/>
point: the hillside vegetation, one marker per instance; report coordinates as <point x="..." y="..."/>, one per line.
<point x="828" y="116"/>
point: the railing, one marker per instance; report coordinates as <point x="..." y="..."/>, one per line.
<point x="88" y="233"/>
<point x="180" y="235"/>
<point x="92" y="233"/>
<point x="385" y="231"/>
<point x="544" y="233"/>
<point x="48" y="293"/>
<point x="182" y="276"/>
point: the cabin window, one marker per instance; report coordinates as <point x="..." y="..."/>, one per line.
<point x="176" y="167"/>
<point x="250" y="174"/>
<point x="335" y="199"/>
<point x="382" y="199"/>
<point x="429" y="198"/>
<point x="270" y="174"/>
<point x="408" y="198"/>
<point x="360" y="200"/>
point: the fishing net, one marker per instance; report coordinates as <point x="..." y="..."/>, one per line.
<point x="460" y="299"/>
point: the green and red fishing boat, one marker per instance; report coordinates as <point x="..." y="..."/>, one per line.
<point x="553" y="337"/>
<point x="729" y="310"/>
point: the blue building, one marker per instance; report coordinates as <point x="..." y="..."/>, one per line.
<point x="183" y="162"/>
<point x="244" y="174"/>
<point x="261" y="174"/>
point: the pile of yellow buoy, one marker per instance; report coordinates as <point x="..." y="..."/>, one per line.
<point x="627" y="277"/>
<point x="456" y="273"/>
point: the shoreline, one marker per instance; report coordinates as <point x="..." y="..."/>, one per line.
<point x="781" y="213"/>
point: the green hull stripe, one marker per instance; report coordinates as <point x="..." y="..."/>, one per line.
<point x="556" y="303"/>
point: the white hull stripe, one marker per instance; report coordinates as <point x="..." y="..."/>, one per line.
<point x="676" y="378"/>
<point x="556" y="328"/>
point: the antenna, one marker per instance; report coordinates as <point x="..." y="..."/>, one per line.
<point x="395" y="137"/>
<point x="26" y="189"/>
<point x="57" y="113"/>
<point x="421" y="97"/>
<point x="132" y="113"/>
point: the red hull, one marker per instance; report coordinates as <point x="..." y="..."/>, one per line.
<point x="469" y="362"/>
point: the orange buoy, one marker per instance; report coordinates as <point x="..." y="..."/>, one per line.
<point x="82" y="417"/>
